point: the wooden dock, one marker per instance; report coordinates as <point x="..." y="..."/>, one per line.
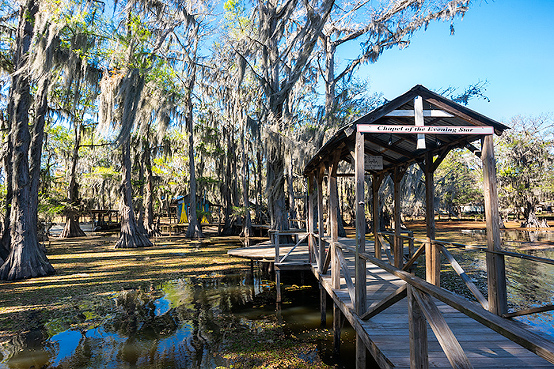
<point x="385" y="331"/>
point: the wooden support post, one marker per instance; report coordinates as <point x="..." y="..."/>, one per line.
<point x="320" y="220"/>
<point x="310" y="215"/>
<point x="323" y="304"/>
<point x="432" y="257"/>
<point x="375" y="185"/>
<point x="360" y="266"/>
<point x="277" y="271"/>
<point x="419" y="357"/>
<point x="361" y="353"/>
<point x="337" y="326"/>
<point x="333" y="217"/>
<point x="496" y="272"/>
<point x="398" y="243"/>
<point x="360" y="286"/>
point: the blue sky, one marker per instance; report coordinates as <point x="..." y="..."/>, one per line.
<point x="509" y="43"/>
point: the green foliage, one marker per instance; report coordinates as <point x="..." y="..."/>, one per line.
<point x="458" y="181"/>
<point x="236" y="17"/>
<point x="239" y="211"/>
<point x="524" y="161"/>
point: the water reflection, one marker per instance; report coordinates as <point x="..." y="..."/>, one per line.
<point x="529" y="283"/>
<point x="181" y="324"/>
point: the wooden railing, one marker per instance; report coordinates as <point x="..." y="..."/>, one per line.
<point x="423" y="310"/>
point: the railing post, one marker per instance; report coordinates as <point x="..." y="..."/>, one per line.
<point x="496" y="273"/>
<point x="419" y="356"/>
<point x="411" y="243"/>
<point x="277" y="271"/>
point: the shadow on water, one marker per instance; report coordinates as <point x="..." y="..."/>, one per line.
<point x="182" y="323"/>
<point x="530" y="284"/>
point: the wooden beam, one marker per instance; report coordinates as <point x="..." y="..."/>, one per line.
<point x="432" y="257"/>
<point x="419" y="347"/>
<point x="346" y="272"/>
<point x="398" y="242"/>
<point x="327" y="262"/>
<point x="373" y="139"/>
<point x="277" y="271"/>
<point x="414" y="257"/>
<point x="337" y="326"/>
<point x="441" y="156"/>
<point x="333" y="217"/>
<point x="375" y="185"/>
<point x="384" y="243"/>
<point x="540" y="309"/>
<point x="419" y="121"/>
<point x="496" y="273"/>
<point x="361" y="353"/>
<point x="360" y="264"/>
<point x="321" y="229"/>
<point x="459" y="113"/>
<point x="473" y="149"/>
<point x="381" y="153"/>
<point x="310" y="215"/>
<point x="447" y="340"/>
<point x="426" y="113"/>
<point x="322" y="303"/>
<point x="468" y="282"/>
<point x="387" y="302"/>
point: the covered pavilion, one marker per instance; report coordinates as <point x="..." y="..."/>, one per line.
<point x="419" y="127"/>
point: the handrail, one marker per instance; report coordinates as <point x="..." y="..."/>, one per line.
<point x="461" y="273"/>
<point x="531" y="341"/>
<point x="470" y="285"/>
<point x="479" y="248"/>
<point x="294" y="247"/>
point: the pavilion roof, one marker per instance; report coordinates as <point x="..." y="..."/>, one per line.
<point x="400" y="149"/>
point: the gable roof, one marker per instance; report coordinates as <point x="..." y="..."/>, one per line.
<point x="401" y="149"/>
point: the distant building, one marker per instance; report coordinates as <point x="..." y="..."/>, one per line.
<point x="473" y="209"/>
<point x="183" y="203"/>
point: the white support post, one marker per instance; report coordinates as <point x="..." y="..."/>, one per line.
<point x="419" y="121"/>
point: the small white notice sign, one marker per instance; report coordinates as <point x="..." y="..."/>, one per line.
<point x="373" y="162"/>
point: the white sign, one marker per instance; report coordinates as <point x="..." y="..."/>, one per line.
<point x="436" y="130"/>
<point x="373" y="162"/>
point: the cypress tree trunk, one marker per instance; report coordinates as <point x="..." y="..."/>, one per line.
<point x="149" y="196"/>
<point x="130" y="236"/>
<point x="27" y="258"/>
<point x="226" y="185"/>
<point x="72" y="227"/>
<point x="193" y="229"/>
<point x="140" y="201"/>
<point x="276" y="198"/>
<point x="247" y="224"/>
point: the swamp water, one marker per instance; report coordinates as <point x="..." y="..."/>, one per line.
<point x="187" y="325"/>
<point x="529" y="284"/>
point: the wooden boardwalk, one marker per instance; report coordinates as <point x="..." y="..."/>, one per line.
<point x="387" y="334"/>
